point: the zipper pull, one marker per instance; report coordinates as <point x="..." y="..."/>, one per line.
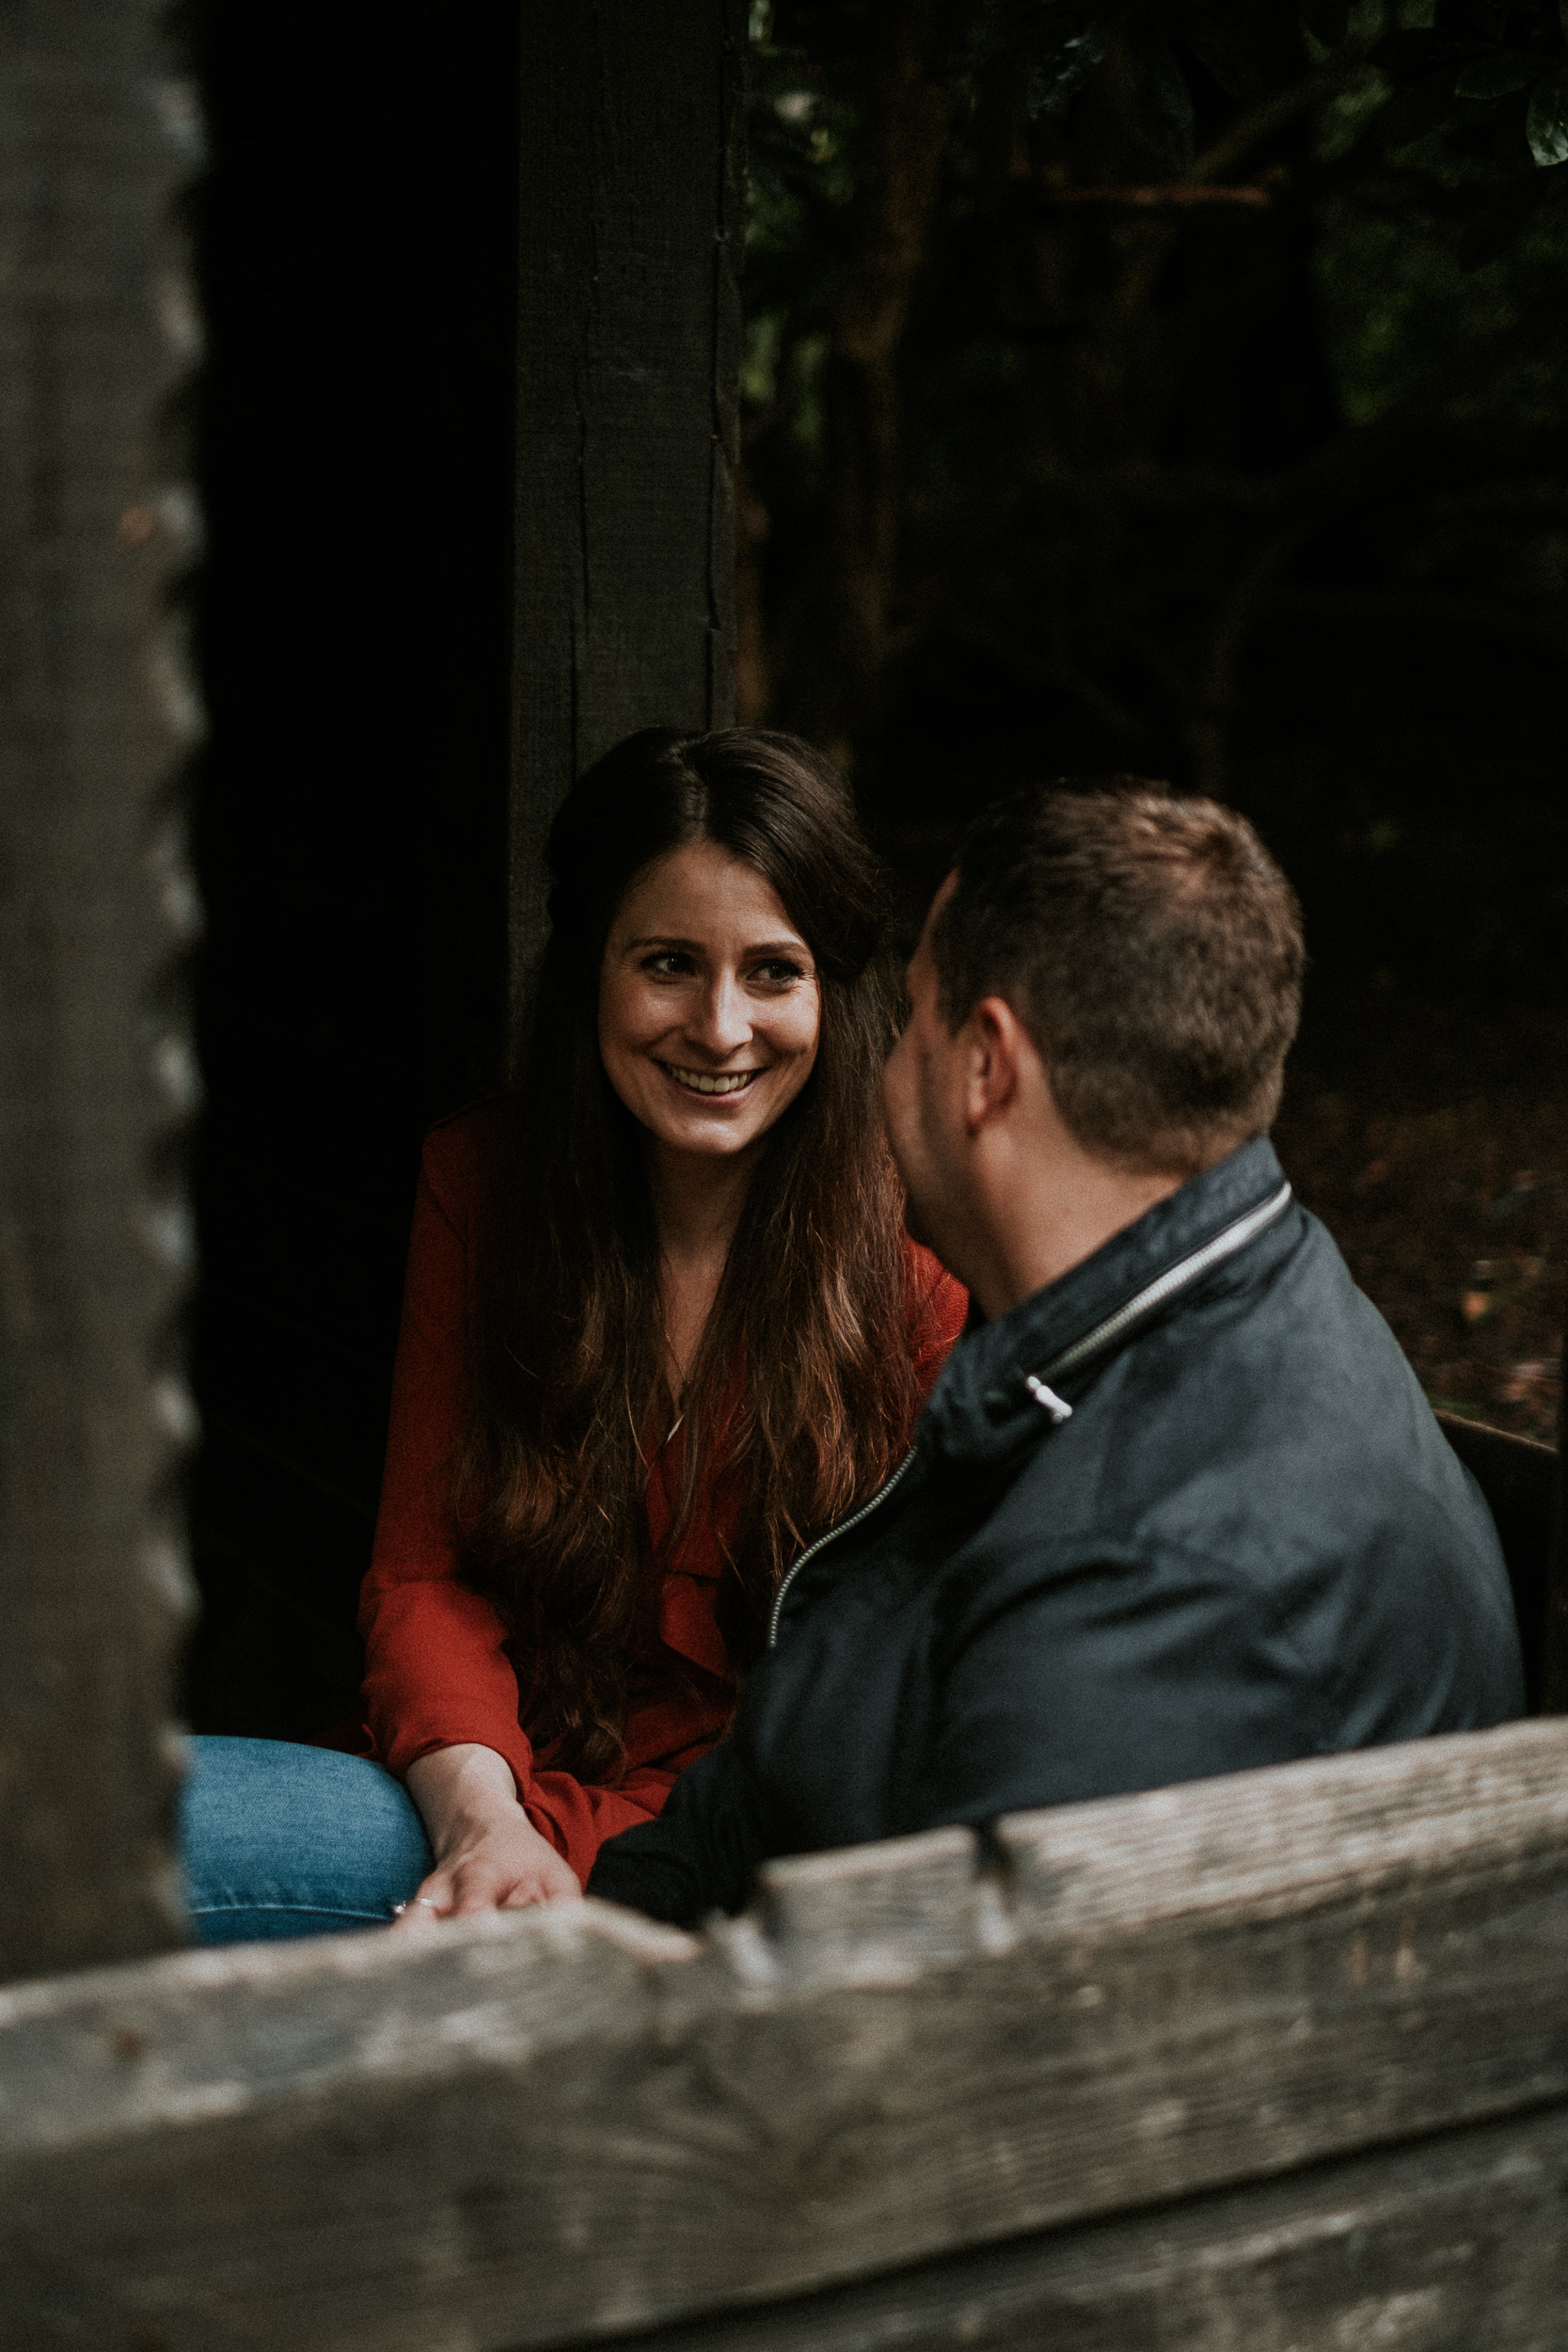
<point x="1047" y="1400"/>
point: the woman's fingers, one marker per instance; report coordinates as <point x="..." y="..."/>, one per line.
<point x="551" y="1881"/>
<point x="497" y="1880"/>
<point x="432" y="1900"/>
<point x="491" y="1857"/>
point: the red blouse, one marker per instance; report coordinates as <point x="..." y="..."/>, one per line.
<point x="436" y="1670"/>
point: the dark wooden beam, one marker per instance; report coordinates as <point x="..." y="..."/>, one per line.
<point x="631" y="233"/>
<point x="96" y="1078"/>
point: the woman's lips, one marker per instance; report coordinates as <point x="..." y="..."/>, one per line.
<point x="703" y="1082"/>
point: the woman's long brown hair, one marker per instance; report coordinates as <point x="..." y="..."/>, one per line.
<point x="802" y="1395"/>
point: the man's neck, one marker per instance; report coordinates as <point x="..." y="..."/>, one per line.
<point x="1036" y="1223"/>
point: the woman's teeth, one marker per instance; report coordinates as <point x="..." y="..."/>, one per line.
<point x="700" y="1083"/>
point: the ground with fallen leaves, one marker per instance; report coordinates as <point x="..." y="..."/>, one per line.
<point x="1433" y="1141"/>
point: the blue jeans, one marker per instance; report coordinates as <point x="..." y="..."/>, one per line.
<point x="285" y="1840"/>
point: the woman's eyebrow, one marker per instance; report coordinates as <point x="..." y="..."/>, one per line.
<point x="698" y="947"/>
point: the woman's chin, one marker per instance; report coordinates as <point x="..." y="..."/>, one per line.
<point x="706" y="1138"/>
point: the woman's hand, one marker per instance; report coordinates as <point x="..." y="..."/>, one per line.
<point x="488" y="1854"/>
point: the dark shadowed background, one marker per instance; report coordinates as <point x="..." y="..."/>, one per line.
<point x="1164" y="387"/>
<point x="358" y="255"/>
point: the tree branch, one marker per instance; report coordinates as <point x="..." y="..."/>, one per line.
<point x="1275" y="113"/>
<point x="1171" y="194"/>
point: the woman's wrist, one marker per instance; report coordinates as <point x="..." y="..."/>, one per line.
<point x="488" y="1854"/>
<point x="460" y="1791"/>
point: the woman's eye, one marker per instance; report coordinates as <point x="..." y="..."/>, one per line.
<point x="669" y="965"/>
<point x="777" y="973"/>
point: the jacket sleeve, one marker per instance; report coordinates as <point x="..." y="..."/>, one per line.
<point x="701" y="1854"/>
<point x="1114" y="1673"/>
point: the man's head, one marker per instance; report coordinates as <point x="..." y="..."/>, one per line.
<point x="1108" y="981"/>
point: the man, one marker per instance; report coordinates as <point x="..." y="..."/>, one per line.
<point x="1177" y="1505"/>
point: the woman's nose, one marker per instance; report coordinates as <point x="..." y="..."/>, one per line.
<point x="720" y="1022"/>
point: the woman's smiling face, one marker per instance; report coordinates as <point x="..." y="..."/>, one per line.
<point x="709" y="1011"/>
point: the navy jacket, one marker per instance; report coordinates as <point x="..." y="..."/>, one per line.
<point x="1246" y="1541"/>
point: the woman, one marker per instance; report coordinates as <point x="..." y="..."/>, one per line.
<point x="662" y="1324"/>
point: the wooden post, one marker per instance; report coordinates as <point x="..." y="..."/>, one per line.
<point x="631" y="234"/>
<point x="95" y="1068"/>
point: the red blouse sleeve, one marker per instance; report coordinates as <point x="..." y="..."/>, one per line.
<point x="437" y="1673"/>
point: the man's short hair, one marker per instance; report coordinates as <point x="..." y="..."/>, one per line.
<point x="1153" y="951"/>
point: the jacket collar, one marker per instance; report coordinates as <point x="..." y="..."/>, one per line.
<point x="1015" y="1378"/>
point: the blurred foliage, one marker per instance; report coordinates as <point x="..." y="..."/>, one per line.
<point x="1407" y="327"/>
<point x="1225" y="413"/>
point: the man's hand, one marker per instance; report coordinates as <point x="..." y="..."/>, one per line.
<point x="488" y="1854"/>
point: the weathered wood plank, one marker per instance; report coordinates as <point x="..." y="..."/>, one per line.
<point x="95" y="1077"/>
<point x="631" y="233"/>
<point x="1452" y="2244"/>
<point x="566" y="2125"/>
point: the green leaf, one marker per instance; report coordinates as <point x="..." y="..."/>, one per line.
<point x="1496" y="77"/>
<point x="1546" y="123"/>
<point x="1327" y="20"/>
<point x="1060" y="74"/>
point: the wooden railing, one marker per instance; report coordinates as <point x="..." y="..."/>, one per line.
<point x="1280" y="2058"/>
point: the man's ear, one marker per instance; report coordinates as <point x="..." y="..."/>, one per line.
<point x="997" y="1048"/>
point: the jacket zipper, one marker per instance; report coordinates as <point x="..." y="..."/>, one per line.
<point x="834" y="1532"/>
<point x="1175" y="1279"/>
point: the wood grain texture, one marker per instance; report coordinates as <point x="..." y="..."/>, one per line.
<point x="95" y="1077"/>
<point x="631" y="229"/>
<point x="1453" y="2245"/>
<point x="561" y="2126"/>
